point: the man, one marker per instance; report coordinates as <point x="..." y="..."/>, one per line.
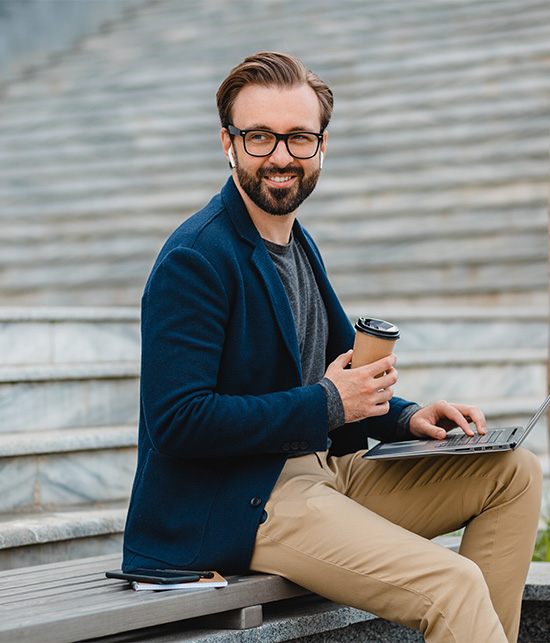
<point x="252" y="427"/>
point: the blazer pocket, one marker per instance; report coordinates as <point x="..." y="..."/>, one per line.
<point x="170" y="508"/>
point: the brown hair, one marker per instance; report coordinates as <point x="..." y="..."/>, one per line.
<point x="270" y="68"/>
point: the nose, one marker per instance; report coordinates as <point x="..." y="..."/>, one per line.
<point x="280" y="155"/>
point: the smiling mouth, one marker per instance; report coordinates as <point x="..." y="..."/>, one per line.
<point x="281" y="180"/>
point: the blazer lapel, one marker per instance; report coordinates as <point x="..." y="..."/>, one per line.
<point x="262" y="262"/>
<point x="279" y="302"/>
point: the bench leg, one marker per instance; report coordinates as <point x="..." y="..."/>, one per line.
<point x="241" y="619"/>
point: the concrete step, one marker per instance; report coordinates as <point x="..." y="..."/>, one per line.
<point x="35" y="336"/>
<point x="478" y="262"/>
<point x="41" y="336"/>
<point x="192" y="199"/>
<point x="444" y="279"/>
<point x="355" y="227"/>
<point x="41" y="470"/>
<point x="51" y="397"/>
<point x="447" y="285"/>
<point x="439" y="253"/>
<point x="30" y="538"/>
<point x="450" y="143"/>
<point x="364" y="257"/>
<point x="491" y="374"/>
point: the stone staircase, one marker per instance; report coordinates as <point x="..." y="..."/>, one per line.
<point x="69" y="382"/>
<point x="431" y="212"/>
<point x="435" y="187"/>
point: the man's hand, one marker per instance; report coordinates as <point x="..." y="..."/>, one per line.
<point x="435" y="420"/>
<point x="363" y="394"/>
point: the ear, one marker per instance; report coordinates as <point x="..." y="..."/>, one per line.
<point x="323" y="148"/>
<point x="226" y="144"/>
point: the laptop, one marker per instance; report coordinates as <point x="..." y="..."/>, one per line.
<point x="506" y="439"/>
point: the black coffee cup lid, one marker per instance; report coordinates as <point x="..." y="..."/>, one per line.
<point x="377" y="328"/>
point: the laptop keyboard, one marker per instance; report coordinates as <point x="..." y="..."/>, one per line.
<point x="460" y="440"/>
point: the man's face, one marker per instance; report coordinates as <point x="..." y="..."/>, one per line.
<point x="277" y="183"/>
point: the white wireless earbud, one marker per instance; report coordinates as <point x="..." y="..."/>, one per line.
<point x="231" y="159"/>
<point x="321" y="161"/>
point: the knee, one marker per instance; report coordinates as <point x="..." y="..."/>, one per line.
<point x="464" y="584"/>
<point x="467" y="578"/>
<point x="465" y="591"/>
<point x="525" y="469"/>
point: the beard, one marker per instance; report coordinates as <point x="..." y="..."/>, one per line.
<point x="277" y="201"/>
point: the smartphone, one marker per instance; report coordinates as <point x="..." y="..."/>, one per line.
<point x="160" y="576"/>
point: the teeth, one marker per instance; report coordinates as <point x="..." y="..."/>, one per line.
<point x="280" y="179"/>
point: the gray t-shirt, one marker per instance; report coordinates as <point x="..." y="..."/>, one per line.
<point x="310" y="318"/>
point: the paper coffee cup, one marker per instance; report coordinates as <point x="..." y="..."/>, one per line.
<point x="374" y="339"/>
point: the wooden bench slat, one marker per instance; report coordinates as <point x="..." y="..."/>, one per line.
<point x="98" y="590"/>
<point x="13" y="582"/>
<point x="104" y="619"/>
<point x="79" y="602"/>
<point x="40" y="595"/>
<point x="79" y="590"/>
<point x="60" y="582"/>
<point x="66" y="568"/>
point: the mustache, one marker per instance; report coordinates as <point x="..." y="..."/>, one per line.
<point x="289" y="169"/>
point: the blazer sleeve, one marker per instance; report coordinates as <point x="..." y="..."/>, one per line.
<point x="185" y="310"/>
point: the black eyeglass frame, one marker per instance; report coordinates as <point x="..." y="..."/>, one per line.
<point x="278" y="137"/>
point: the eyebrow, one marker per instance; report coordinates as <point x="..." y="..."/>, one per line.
<point x="268" y="129"/>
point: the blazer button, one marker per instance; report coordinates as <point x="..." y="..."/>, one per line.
<point x="295" y="446"/>
<point x="286" y="446"/>
<point x="255" y="502"/>
<point x="304" y="445"/>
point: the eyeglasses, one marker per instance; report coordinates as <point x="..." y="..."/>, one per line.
<point x="259" y="142"/>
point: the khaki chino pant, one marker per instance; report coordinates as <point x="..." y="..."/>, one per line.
<point x="358" y="532"/>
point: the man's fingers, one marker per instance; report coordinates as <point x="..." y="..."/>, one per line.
<point x="362" y="393"/>
<point x="452" y="412"/>
<point x="385" y="363"/>
<point x="463" y="414"/>
<point x="474" y="414"/>
<point x="380" y="366"/>
<point x="387" y="380"/>
<point x="433" y="421"/>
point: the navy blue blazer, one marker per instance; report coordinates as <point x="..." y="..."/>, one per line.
<point x="222" y="400"/>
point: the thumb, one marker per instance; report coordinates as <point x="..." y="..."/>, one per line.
<point x="344" y="359"/>
<point x="435" y="432"/>
<point x="424" y="429"/>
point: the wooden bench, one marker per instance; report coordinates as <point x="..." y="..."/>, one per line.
<point x="73" y="601"/>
